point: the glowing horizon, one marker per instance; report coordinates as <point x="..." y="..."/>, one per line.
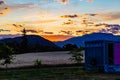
<point x="56" y="18"/>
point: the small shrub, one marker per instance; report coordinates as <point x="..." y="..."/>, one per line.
<point x="38" y="62"/>
<point x="77" y="55"/>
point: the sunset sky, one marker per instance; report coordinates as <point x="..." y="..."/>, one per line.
<point x="58" y="19"/>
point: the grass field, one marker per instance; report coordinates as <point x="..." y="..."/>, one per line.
<point x="55" y="73"/>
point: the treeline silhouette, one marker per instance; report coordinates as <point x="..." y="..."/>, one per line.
<point x="22" y="45"/>
<point x="20" y="48"/>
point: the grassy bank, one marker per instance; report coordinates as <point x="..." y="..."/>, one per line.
<point x="55" y="73"/>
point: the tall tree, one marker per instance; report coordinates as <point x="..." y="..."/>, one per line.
<point x="24" y="43"/>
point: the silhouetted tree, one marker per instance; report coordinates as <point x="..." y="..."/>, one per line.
<point x="6" y="54"/>
<point x="77" y="55"/>
<point x="24" y="44"/>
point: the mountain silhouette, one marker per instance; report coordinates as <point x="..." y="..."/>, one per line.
<point x="34" y="44"/>
<point x="79" y="41"/>
<point x="32" y="39"/>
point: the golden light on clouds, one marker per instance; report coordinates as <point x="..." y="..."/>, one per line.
<point x="4" y="11"/>
<point x="52" y="18"/>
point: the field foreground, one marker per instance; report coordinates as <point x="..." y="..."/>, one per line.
<point x="50" y="73"/>
<point x="56" y="73"/>
<point x="49" y="58"/>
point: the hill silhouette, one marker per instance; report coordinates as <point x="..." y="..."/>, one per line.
<point x="35" y="43"/>
<point x="79" y="41"/>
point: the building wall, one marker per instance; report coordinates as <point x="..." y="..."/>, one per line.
<point x="94" y="55"/>
<point x="102" y="55"/>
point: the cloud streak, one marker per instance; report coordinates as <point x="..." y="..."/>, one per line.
<point x="111" y="16"/>
<point x="19" y="6"/>
<point x="105" y="16"/>
<point x="40" y="21"/>
<point x="69" y="16"/>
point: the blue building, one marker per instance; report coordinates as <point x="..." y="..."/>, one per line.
<point x="102" y="55"/>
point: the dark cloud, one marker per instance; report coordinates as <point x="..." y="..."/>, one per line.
<point x="48" y="32"/>
<point x="32" y="31"/>
<point x="114" y="29"/>
<point x="97" y="25"/>
<point x="91" y="14"/>
<point x="6" y="8"/>
<point x="68" y="22"/>
<point x="1" y="2"/>
<point x="1" y="13"/>
<point x="69" y="16"/>
<point x="103" y="31"/>
<point x="79" y="31"/>
<point x="4" y="30"/>
<point x="17" y="25"/>
<point x="66" y="32"/>
<point x="82" y="32"/>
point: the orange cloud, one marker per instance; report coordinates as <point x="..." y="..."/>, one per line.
<point x="4" y="11"/>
